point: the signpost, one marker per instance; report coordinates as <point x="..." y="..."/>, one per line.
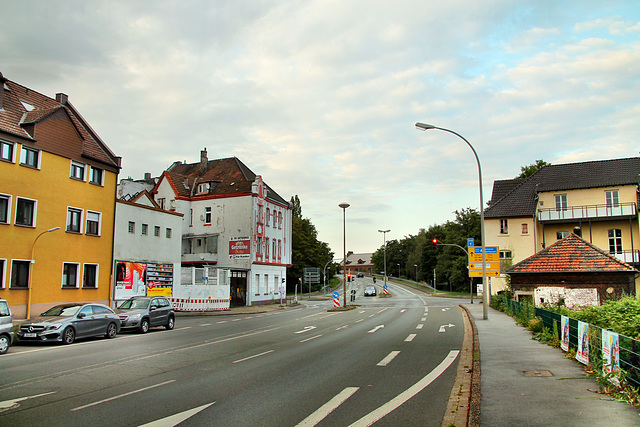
<point x="311" y="277"/>
<point x="492" y="260"/>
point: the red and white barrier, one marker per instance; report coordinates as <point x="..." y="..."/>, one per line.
<point x="209" y="304"/>
<point x="336" y="302"/>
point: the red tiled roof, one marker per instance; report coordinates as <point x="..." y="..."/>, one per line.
<point x="571" y="254"/>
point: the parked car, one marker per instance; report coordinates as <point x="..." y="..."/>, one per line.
<point x="361" y="274"/>
<point x="67" y="322"/>
<point x="6" y="326"/>
<point x="142" y="313"/>
<point x="370" y="291"/>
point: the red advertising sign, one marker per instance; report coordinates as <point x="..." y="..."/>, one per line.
<point x="239" y="247"/>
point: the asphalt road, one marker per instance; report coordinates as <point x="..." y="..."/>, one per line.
<point x="390" y="361"/>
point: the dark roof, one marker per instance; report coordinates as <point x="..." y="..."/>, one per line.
<point x="518" y="197"/>
<point x="571" y="254"/>
<point x="52" y="125"/>
<point x="230" y="176"/>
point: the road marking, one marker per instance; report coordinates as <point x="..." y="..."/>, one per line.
<point x="122" y="395"/>
<point x="384" y="309"/>
<point x="222" y="321"/>
<point x="253" y="357"/>
<point x="306" y="329"/>
<point x="424" y="319"/>
<point x="372" y="315"/>
<point x="312" y="338"/>
<point x="358" y="321"/>
<point x="420" y="325"/>
<point x="388" y="359"/>
<point x="236" y="320"/>
<point x="445" y="326"/>
<point x="328" y="315"/>
<point x="394" y="403"/>
<point x="322" y="412"/>
<point x="10" y="404"/>
<point x="342" y="327"/>
<point x="375" y="329"/>
<point x="410" y="338"/>
<point x="403" y="310"/>
<point x="446" y="309"/>
<point x="176" y="419"/>
<point x="205" y="324"/>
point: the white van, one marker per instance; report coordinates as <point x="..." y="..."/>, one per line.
<point x="6" y="326"/>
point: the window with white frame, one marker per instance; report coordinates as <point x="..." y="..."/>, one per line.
<point x="5" y="203"/>
<point x="168" y="233"/>
<point x="504" y="255"/>
<point x="77" y="170"/>
<point x="30" y="157"/>
<point x="267" y="286"/>
<point x="6" y="151"/>
<point x="615" y="241"/>
<point x="274" y="251"/>
<point x="93" y="223"/>
<point x="20" y="274"/>
<point x="561" y="202"/>
<point x="268" y="219"/>
<point x="162" y="202"/>
<point x="525" y="228"/>
<point x="561" y="234"/>
<point x="26" y="212"/>
<point x="258" y="285"/>
<point x="259" y="248"/>
<point x="145" y="229"/>
<point x="279" y="219"/>
<point x="132" y="227"/>
<point x="260" y="214"/>
<point x="156" y="231"/>
<point x="612" y="198"/>
<point x="74" y="220"/>
<point x="504" y="226"/>
<point x="207" y="215"/>
<point x="279" y="250"/>
<point x="97" y="176"/>
<point x="3" y="272"/>
<point x="90" y="276"/>
<point x="70" y="275"/>
<point x="266" y="249"/>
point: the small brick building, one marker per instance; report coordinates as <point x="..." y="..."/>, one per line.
<point x="574" y="272"/>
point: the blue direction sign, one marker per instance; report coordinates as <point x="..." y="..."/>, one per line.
<point x="385" y="286"/>
<point x="470" y="242"/>
<point x="336" y="295"/>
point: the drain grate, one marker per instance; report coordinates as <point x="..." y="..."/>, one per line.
<point x="537" y="373"/>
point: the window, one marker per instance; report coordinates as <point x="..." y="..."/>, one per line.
<point x="561" y="202"/>
<point x="26" y="212"/>
<point x="77" y="170"/>
<point x="20" y="274"/>
<point x="162" y="202"/>
<point x="211" y="244"/>
<point x="145" y="229"/>
<point x="504" y="255"/>
<point x="156" y="231"/>
<point x="612" y="199"/>
<point x="615" y="241"/>
<point x="69" y="275"/>
<point x="260" y="213"/>
<point x="29" y="157"/>
<point x="74" y="219"/>
<point x="279" y="219"/>
<point x="266" y="284"/>
<point x="3" y="264"/>
<point x="525" y="229"/>
<point x="274" y="251"/>
<point x="168" y="233"/>
<point x="561" y="234"/>
<point x="268" y="217"/>
<point x="207" y="215"/>
<point x="266" y="249"/>
<point x="97" y="175"/>
<point x="258" y="285"/>
<point x="279" y="249"/>
<point x="5" y="202"/>
<point x="203" y="188"/>
<point x="6" y="151"/>
<point x="93" y="223"/>
<point x="259" y="249"/>
<point x="90" y="277"/>
<point x="132" y="227"/>
<point x="504" y="226"/>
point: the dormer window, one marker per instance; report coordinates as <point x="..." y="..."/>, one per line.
<point x="27" y="106"/>
<point x="203" y="188"/>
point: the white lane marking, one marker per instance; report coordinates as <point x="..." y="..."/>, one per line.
<point x="424" y="319"/>
<point x="446" y="309"/>
<point x="358" y="321"/>
<point x="306" y="329"/>
<point x="410" y="338"/>
<point x="375" y="329"/>
<point x="420" y="325"/>
<point x="361" y="311"/>
<point x="312" y="338"/>
<point x="403" y="310"/>
<point x="342" y="327"/>
<point x="322" y="412"/>
<point x="222" y="321"/>
<point x="394" y="403"/>
<point x="176" y="419"/>
<point x="328" y="315"/>
<point x="372" y="315"/>
<point x="388" y="359"/>
<point x="122" y="395"/>
<point x="205" y="324"/>
<point x="236" y="320"/>
<point x="445" y="326"/>
<point x="253" y="357"/>
<point x="384" y="309"/>
<point x="10" y="404"/>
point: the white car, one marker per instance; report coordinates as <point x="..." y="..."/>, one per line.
<point x="370" y="291"/>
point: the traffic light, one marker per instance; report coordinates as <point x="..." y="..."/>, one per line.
<point x="434" y="241"/>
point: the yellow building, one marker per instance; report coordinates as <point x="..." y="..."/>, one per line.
<point x="57" y="203"/>
<point x="596" y="200"/>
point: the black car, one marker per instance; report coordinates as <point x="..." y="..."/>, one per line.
<point x="361" y="274"/>
<point x="142" y="313"/>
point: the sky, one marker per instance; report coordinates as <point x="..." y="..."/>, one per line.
<point x="320" y="97"/>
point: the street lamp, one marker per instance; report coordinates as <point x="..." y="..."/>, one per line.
<point x="344" y="206"/>
<point x="485" y="290"/>
<point x="416" y="266"/>
<point x="384" y="237"/>
<point x="31" y="273"/>
<point x="398" y="270"/>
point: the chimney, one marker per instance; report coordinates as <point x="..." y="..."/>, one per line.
<point x="2" y="80"/>
<point x="147" y="176"/>
<point x="203" y="160"/>
<point x="62" y="98"/>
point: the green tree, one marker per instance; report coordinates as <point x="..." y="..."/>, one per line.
<point x="527" y="171"/>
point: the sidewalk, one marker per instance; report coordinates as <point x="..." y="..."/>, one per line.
<point x="514" y="390"/>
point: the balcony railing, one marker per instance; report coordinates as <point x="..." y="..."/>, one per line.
<point x="628" y="256"/>
<point x="588" y="212"/>
<point x="201" y="257"/>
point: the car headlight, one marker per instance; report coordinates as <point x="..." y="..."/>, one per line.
<point x="52" y="327"/>
<point x="134" y="316"/>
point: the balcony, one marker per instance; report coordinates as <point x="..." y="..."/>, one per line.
<point x="201" y="257"/>
<point x="588" y="212"/>
<point x="628" y="256"/>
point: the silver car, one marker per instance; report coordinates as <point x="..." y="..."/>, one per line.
<point x="141" y="313"/>
<point x="6" y="327"/>
<point x="66" y="322"/>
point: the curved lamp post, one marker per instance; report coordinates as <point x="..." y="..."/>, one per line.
<point x="344" y="206"/>
<point x="31" y="272"/>
<point x="384" y="237"/>
<point x="485" y="290"/>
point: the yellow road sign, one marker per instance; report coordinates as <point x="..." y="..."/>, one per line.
<point x="494" y="265"/>
<point x="492" y="253"/>
<point x="478" y="273"/>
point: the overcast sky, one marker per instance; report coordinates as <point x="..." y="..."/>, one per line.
<point x="321" y="97"/>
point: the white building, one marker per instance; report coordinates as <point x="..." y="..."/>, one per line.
<point x="236" y="230"/>
<point x="146" y="249"/>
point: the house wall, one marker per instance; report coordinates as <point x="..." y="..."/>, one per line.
<point x="588" y="196"/>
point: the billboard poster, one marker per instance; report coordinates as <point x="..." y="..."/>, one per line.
<point x="564" y="322"/>
<point x="131" y="276"/>
<point x="239" y="248"/>
<point x="141" y="278"/>
<point x="582" y="355"/>
<point x="610" y="352"/>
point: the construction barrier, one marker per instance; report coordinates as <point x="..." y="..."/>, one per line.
<point x="336" y="302"/>
<point x="188" y="304"/>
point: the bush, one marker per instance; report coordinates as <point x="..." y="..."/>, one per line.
<point x="535" y="325"/>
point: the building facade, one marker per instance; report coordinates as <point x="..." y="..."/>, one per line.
<point x="57" y="197"/>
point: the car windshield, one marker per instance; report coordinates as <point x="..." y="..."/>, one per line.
<point x="62" y="310"/>
<point x="132" y="304"/>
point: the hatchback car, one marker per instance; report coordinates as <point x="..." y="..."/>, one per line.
<point x="142" y="313"/>
<point x="361" y="274"/>
<point x="67" y="322"/>
<point x="6" y="327"/>
<point x="370" y="291"/>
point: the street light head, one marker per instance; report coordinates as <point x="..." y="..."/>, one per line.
<point x="53" y="229"/>
<point x="383" y="231"/>
<point x="424" y="126"/>
<point x="344" y="205"/>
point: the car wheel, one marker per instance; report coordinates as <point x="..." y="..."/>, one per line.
<point x="112" y="331"/>
<point x="69" y="335"/>
<point x="4" y="344"/>
<point x="144" y="326"/>
<point x="170" y="323"/>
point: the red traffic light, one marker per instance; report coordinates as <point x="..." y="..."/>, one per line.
<point x="434" y="241"/>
